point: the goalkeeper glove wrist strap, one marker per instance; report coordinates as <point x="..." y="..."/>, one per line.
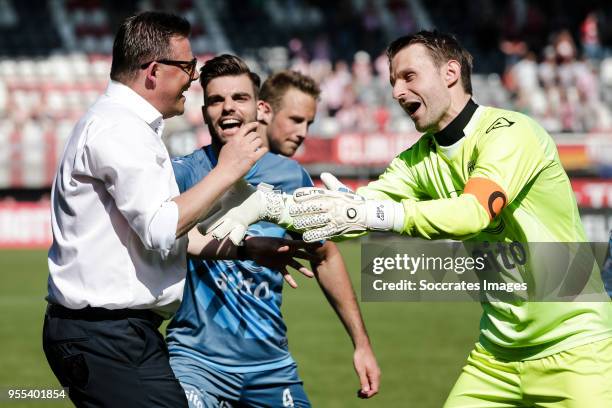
<point x="275" y="206"/>
<point x="386" y="215"/>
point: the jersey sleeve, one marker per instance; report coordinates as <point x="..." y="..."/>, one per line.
<point x="396" y="183"/>
<point x="446" y="218"/>
<point x="306" y="180"/>
<point x="181" y="174"/>
<point x="190" y="169"/>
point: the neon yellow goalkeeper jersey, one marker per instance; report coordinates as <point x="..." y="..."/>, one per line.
<point x="497" y="178"/>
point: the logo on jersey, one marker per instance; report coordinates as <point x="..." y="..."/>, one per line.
<point x="238" y="284"/>
<point x="193" y="397"/>
<point x="500" y="123"/>
<point x="471" y="166"/>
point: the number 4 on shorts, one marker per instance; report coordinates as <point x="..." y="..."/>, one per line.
<point x="287" y="398"/>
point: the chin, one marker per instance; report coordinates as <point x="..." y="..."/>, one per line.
<point x="290" y="151"/>
<point x="174" y="112"/>
<point x="422" y="127"/>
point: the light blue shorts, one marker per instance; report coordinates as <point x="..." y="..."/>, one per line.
<point x="207" y="387"/>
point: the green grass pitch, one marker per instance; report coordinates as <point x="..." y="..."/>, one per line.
<point x="420" y="346"/>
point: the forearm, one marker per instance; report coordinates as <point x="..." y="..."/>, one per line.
<point x="195" y="203"/>
<point x="335" y="283"/>
<point x="454" y="218"/>
<point x="207" y="247"/>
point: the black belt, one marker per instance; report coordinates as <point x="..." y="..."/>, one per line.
<point x="100" y="313"/>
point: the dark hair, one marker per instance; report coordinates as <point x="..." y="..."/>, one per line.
<point x="442" y="48"/>
<point x="227" y="65"/>
<point x="142" y="38"/>
<point x="277" y="84"/>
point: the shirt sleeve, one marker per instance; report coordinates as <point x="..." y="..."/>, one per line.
<point x="181" y="175"/>
<point x="396" y="183"/>
<point x="137" y="173"/>
<point x="454" y="218"/>
<point x="306" y="180"/>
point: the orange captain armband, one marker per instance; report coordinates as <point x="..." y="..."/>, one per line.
<point x="489" y="194"/>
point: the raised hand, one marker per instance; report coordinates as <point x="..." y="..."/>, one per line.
<point x="241" y="151"/>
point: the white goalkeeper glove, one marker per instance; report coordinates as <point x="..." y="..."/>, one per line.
<point x="244" y="205"/>
<point x="326" y="213"/>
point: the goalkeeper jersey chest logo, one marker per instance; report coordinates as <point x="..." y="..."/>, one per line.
<point x="499" y="123"/>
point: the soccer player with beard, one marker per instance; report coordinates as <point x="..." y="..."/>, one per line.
<point x="227" y="342"/>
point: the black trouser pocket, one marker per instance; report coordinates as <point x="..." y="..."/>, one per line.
<point x="64" y="355"/>
<point x="76" y="370"/>
<point x="68" y="362"/>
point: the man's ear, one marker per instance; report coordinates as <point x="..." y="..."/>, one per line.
<point x="151" y="75"/>
<point x="264" y="112"/>
<point x="453" y="72"/>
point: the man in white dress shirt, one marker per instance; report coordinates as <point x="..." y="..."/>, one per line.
<point x="117" y="262"/>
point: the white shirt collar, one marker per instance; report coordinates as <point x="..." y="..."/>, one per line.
<point x="140" y="106"/>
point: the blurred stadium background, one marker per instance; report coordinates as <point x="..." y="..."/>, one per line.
<point x="550" y="59"/>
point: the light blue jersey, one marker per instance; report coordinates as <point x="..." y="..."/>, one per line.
<point x="230" y="317"/>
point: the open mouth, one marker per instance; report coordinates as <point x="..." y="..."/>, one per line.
<point x="412" y="107"/>
<point x="230" y="123"/>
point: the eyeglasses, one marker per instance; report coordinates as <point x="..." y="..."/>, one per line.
<point x="187" y="67"/>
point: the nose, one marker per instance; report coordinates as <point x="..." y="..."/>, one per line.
<point x="229" y="104"/>
<point x="399" y="90"/>
<point x="196" y="75"/>
<point x="302" y="130"/>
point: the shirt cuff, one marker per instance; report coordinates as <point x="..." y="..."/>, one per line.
<point x="163" y="226"/>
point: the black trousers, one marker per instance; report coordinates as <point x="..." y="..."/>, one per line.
<point x="110" y="358"/>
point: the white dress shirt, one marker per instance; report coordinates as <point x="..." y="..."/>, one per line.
<point x="112" y="217"/>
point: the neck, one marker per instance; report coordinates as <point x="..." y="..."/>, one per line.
<point x="216" y="146"/>
<point x="147" y="93"/>
<point x="453" y="131"/>
<point x="456" y="106"/>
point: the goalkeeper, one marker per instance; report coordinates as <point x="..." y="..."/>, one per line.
<point x="482" y="173"/>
